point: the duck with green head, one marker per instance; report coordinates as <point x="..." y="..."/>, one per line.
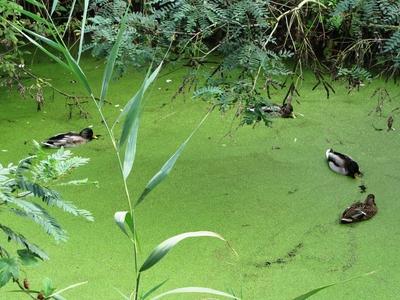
<point x="342" y="164"/>
<point x="70" y="139"/>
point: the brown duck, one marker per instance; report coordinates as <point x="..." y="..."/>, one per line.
<point x="70" y="139"/>
<point x="360" y="211"/>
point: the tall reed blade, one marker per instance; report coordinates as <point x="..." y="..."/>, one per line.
<point x="168" y="166"/>
<point x="124" y="221"/>
<point x="317" y="290"/>
<point x="34" y="2"/>
<point x="112" y="58"/>
<point x="195" y="289"/>
<point x="69" y="17"/>
<point x="162" y="249"/>
<point x="40" y="47"/>
<point x="148" y="80"/>
<point x="131" y="124"/>
<point x="53" y="7"/>
<point x="83" y="23"/>
<point x="77" y="71"/>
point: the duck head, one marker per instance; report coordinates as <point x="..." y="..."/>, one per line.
<point x="354" y="169"/>
<point x="87" y="133"/>
<point x="370" y="201"/>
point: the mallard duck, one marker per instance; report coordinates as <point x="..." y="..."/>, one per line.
<point x="360" y="211"/>
<point x="284" y="111"/>
<point x="70" y="139"/>
<point x="342" y="164"/>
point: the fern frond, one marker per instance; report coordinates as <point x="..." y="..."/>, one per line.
<point x="40" y="216"/>
<point x="21" y="240"/>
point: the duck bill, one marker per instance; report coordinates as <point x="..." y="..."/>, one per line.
<point x="358" y="175"/>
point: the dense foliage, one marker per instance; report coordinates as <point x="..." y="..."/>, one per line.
<point x="255" y="46"/>
<point x="21" y="185"/>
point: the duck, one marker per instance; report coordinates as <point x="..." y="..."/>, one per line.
<point x="342" y="164"/>
<point x="70" y="139"/>
<point x="284" y="111"/>
<point x="360" y="211"/>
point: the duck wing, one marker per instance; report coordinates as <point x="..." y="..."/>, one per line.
<point x="354" y="213"/>
<point x="69" y="139"/>
<point x="337" y="158"/>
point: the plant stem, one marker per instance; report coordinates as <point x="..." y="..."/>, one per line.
<point x="137" y="286"/>
<point x="128" y="197"/>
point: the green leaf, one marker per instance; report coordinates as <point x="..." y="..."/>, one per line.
<point x="76" y="69"/>
<point x="147" y="83"/>
<point x="49" y="42"/>
<point x="83" y="23"/>
<point x="28" y="258"/>
<point x="35" y="17"/>
<point x="130" y="149"/>
<point x="47" y="287"/>
<point x="312" y="292"/>
<point x="131" y="124"/>
<point x="124" y="221"/>
<point x="34" y="2"/>
<point x="69" y="17"/>
<point x="48" y="53"/>
<point x="53" y="7"/>
<point x="153" y="289"/>
<point x="317" y="290"/>
<point x="162" y="249"/>
<point x="21" y="240"/>
<point x="56" y="295"/>
<point x="112" y="58"/>
<point x="8" y="269"/>
<point x="201" y="290"/>
<point x="132" y="108"/>
<point x="168" y="166"/>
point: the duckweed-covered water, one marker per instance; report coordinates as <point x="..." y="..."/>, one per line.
<point x="268" y="191"/>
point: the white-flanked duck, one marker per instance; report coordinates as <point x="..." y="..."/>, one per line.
<point x="342" y="164"/>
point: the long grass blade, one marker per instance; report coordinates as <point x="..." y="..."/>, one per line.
<point x="83" y="23"/>
<point x="152" y="290"/>
<point x="112" y="58"/>
<point x="317" y="290"/>
<point x="194" y="289"/>
<point x="168" y="166"/>
<point x="48" y="53"/>
<point x="121" y="294"/>
<point x="34" y="2"/>
<point x="162" y="249"/>
<point x="130" y="149"/>
<point x="313" y="292"/>
<point x="124" y="221"/>
<point x="147" y="83"/>
<point x="46" y="40"/>
<point x="72" y="286"/>
<point x="69" y="17"/>
<point x="54" y="6"/>
<point x="76" y="69"/>
<point x="35" y="17"/>
<point x="131" y="124"/>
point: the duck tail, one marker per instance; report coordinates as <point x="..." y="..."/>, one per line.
<point x="328" y="152"/>
<point x="346" y="220"/>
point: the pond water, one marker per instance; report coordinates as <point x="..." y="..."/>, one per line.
<point x="268" y="191"/>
